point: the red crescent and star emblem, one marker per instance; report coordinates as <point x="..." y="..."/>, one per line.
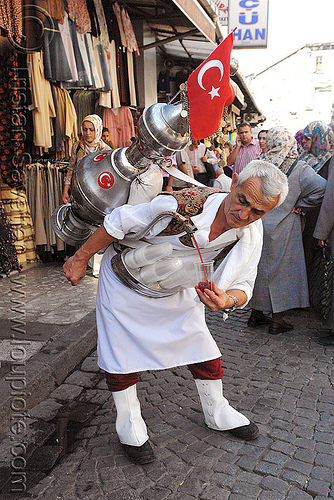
<point x="100" y="157"/>
<point x="209" y="88"/>
<point x="215" y="63"/>
<point x="106" y="180"/>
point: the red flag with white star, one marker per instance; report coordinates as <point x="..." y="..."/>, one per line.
<point x="209" y="90"/>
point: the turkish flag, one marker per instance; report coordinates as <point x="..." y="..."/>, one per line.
<point x="209" y="90"/>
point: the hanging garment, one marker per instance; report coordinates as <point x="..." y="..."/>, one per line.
<point x="103" y="37"/>
<point x="12" y="126"/>
<point x="97" y="83"/>
<point x="43" y="187"/>
<point x="104" y="67"/>
<point x="82" y="80"/>
<point x="78" y="12"/>
<point x="84" y="102"/>
<point x="85" y="59"/>
<point x="130" y="37"/>
<point x="56" y="66"/>
<point x="58" y="145"/>
<point x="122" y="58"/>
<point x="111" y="99"/>
<point x="120" y="65"/>
<point x="56" y="9"/>
<point x="132" y="86"/>
<point x="119" y="121"/>
<point x="67" y="119"/>
<point x="94" y="22"/>
<point x="42" y="106"/>
<point x="11" y="18"/>
<point x="95" y="44"/>
<point x="67" y="41"/>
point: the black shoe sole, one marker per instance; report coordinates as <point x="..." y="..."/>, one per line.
<point x="246" y="432"/>
<point x="140" y="455"/>
<point x="255" y="322"/>
<point x="276" y="328"/>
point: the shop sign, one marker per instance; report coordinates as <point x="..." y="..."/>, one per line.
<point x="250" y="18"/>
<point x="222" y="11"/>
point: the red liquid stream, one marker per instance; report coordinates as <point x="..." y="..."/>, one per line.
<point x="201" y="259"/>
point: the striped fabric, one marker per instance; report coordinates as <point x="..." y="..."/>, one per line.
<point x="246" y="154"/>
<point x="18" y="213"/>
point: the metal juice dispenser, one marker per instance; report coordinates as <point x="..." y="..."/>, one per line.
<point x="101" y="180"/>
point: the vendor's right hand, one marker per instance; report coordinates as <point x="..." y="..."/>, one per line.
<point x="75" y="269"/>
<point x="66" y="196"/>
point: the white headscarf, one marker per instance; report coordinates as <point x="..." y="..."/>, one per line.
<point x="97" y="144"/>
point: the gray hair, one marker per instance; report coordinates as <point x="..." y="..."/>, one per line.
<point x="274" y="182"/>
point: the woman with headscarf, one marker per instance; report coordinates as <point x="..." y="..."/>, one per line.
<point x="281" y="282"/>
<point x="90" y="142"/>
<point x="318" y="143"/>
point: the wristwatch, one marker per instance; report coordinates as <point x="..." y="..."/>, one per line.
<point x="235" y="305"/>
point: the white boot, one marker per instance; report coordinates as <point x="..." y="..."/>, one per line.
<point x="219" y="415"/>
<point x="130" y="426"/>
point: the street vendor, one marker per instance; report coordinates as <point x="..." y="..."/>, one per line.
<point x="138" y="332"/>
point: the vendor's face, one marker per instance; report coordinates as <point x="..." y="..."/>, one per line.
<point x="88" y="131"/>
<point x="306" y="142"/>
<point x="246" y="203"/>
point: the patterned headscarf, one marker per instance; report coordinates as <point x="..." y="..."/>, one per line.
<point x="298" y="137"/>
<point x="322" y="145"/>
<point x="97" y="144"/>
<point x="281" y="148"/>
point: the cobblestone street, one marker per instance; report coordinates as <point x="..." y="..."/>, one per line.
<point x="283" y="383"/>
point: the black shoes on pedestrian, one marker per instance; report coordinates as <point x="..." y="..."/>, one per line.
<point x="139" y="454"/>
<point x="276" y="328"/>
<point x="246" y="432"/>
<point x="257" y="318"/>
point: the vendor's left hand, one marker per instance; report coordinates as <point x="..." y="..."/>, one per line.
<point x="216" y="299"/>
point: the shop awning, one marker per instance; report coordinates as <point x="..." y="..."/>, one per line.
<point x="183" y="29"/>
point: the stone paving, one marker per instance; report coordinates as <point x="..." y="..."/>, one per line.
<point x="284" y="383"/>
<point x="46" y="328"/>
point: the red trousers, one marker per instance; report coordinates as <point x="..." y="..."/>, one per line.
<point x="207" y="370"/>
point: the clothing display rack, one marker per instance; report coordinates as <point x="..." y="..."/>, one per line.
<point x="44" y="181"/>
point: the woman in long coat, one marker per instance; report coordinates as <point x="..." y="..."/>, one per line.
<point x="324" y="232"/>
<point x="318" y="142"/>
<point x="281" y="282"/>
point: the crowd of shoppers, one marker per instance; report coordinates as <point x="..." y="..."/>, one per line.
<point x="292" y="231"/>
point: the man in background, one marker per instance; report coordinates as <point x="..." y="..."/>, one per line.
<point x="245" y="150"/>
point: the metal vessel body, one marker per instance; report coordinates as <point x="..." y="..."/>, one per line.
<point x="101" y="181"/>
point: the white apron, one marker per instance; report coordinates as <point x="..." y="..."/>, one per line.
<point x="137" y="333"/>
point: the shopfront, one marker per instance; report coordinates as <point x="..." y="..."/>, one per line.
<point x="60" y="64"/>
